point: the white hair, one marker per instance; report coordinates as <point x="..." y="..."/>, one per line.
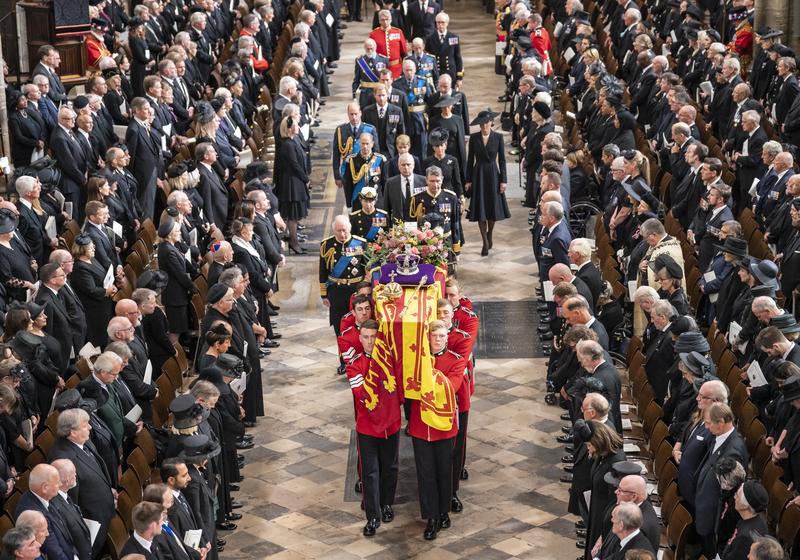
<point x="25" y="184"/>
<point x="287" y="83"/>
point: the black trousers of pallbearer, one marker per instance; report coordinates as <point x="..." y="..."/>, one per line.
<point x="460" y="449"/>
<point x="434" y="460"/>
<point x="378" y="460"/>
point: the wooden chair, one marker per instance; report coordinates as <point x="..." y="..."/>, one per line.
<point x="138" y="462"/>
<point x="144" y="441"/>
<point x="679" y="529"/>
<point x="125" y="508"/>
<point x="37" y="456"/>
<point x="789" y="527"/>
<point x="117" y="536"/>
<point x="779" y="496"/>
<point x="52" y="420"/>
<point x="131" y="484"/>
<point x="10" y="506"/>
<point x="183" y="362"/>
<point x="135" y="262"/>
<point x="173" y="371"/>
<point x="6" y="523"/>
<point x="753" y="436"/>
<point x="166" y="389"/>
<point x="160" y="412"/>
<point x="45" y="441"/>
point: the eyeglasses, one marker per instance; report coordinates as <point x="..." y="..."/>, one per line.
<point x="705" y="398"/>
<point x="621" y="491"/>
<point x="137" y="312"/>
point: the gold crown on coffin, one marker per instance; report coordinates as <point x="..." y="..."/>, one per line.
<point x="407" y="264"/>
<point x="393" y="289"/>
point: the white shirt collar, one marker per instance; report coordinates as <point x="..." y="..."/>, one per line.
<point x="781" y="175"/>
<point x="787" y="352"/>
<point x="26" y="203"/>
<point x="717" y="211"/>
<point x="63" y="495"/>
<point x="598" y="365"/>
<point x="580" y="266"/>
<point x="627" y="539"/>
<point x="721" y="439"/>
<point x="590" y="322"/>
<point x="206" y="165"/>
<point x="46" y="503"/>
<point x="103" y="385"/>
<point x="67" y="130"/>
<point x="142" y="541"/>
<point x="141" y="122"/>
<point x="85" y="134"/>
<point x="754" y="130"/>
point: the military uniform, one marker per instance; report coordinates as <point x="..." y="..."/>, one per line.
<point x="346" y="143"/>
<point x="366" y="76"/>
<point x="367" y="225"/>
<point x="426" y="68"/>
<point x="341" y="267"/>
<point x="447" y="53"/>
<point x="444" y="203"/>
<point x="416" y="93"/>
<point x="96" y="49"/>
<point x="358" y="172"/>
<point x="391" y="43"/>
<point x="541" y="42"/>
<point x="461" y="343"/>
<point x="742" y="44"/>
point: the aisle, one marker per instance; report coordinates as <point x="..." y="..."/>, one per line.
<point x="294" y="490"/>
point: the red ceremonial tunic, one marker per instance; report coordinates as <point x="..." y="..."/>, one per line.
<point x="349" y="342"/>
<point x="391" y="43"/>
<point x="452" y="366"/>
<point x="461" y="343"/>
<point x="95" y="50"/>
<point x="541" y="42"/>
<point x="259" y="62"/>
<point x="357" y="370"/>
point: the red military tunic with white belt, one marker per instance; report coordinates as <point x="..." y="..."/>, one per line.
<point x="466" y="320"/>
<point x="452" y="366"/>
<point x="461" y="343"/>
<point x="391" y="43"/>
<point x="349" y="342"/>
<point x="357" y="370"/>
<point x="541" y="42"/>
<point x="259" y="62"/>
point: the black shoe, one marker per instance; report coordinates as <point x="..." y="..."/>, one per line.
<point x="566" y="417"/>
<point x="273" y="324"/>
<point x="543" y="308"/>
<point x="566" y="429"/>
<point x="581" y="533"/>
<point x="568" y="468"/>
<point x="240" y="457"/>
<point x="227" y="526"/>
<point x="504" y="98"/>
<point x="333" y="65"/>
<point x="220" y="549"/>
<point x="546" y="352"/>
<point x="464" y="474"/>
<point x="369" y="528"/>
<point x="233" y="487"/>
<point x="543" y="329"/>
<point x="569" y="448"/>
<point x="248" y="424"/>
<point x="455" y="504"/>
<point x="245" y="445"/>
<point x="563" y="439"/>
<point x="406" y="430"/>
<point x="358" y="486"/>
<point x="546" y="336"/>
<point x="342" y="370"/>
<point x="247" y="437"/>
<point x="567" y="478"/>
<point x="272" y="312"/>
<point x="431" y="529"/>
<point x="241" y="464"/>
<point x="541" y="299"/>
<point x="579" y="524"/>
<point x="276" y="336"/>
<point x="444" y="521"/>
<point x="387" y="514"/>
<point x="235" y="505"/>
<point x="221" y="542"/>
<point x="271" y="344"/>
<point x="514" y="144"/>
<point x="233" y="517"/>
<point x="580" y="544"/>
<point x="343" y="25"/>
<point x="263" y="353"/>
<point x="568" y="459"/>
<point x="239" y="478"/>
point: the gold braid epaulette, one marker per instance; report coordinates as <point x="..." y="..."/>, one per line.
<point x="364" y="169"/>
<point x="344" y="151"/>
<point x="328" y="256"/>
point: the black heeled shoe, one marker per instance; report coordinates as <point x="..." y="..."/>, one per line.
<point x="489" y="238"/>
<point x="302" y="251"/>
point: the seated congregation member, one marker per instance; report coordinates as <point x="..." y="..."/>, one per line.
<point x="751" y="500"/>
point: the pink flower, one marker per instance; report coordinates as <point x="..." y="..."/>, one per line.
<point x="425" y="251"/>
<point x="441" y="246"/>
<point x="421" y="235"/>
<point x="429" y="233"/>
<point x="376" y="247"/>
<point x="414" y="251"/>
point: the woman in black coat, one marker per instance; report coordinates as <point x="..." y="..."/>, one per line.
<point x="605" y="446"/>
<point x="454" y="125"/>
<point x="623" y="139"/>
<point x="179" y="289"/>
<point x="452" y="173"/>
<point x="251" y="255"/>
<point x="87" y="281"/>
<point x="16" y="271"/>
<point x="155" y="327"/>
<point x="26" y="129"/>
<point x="486" y="178"/>
<point x="116" y="101"/>
<point x="609" y="311"/>
<point x="141" y="58"/>
<point x="578" y="179"/>
<point x="292" y="182"/>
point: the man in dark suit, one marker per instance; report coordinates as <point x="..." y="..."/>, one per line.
<point x="445" y="46"/>
<point x="772" y="341"/>
<point x="58" y="324"/>
<point x="561" y="272"/>
<point x="49" y="61"/>
<point x="68" y="511"/>
<point x="421" y="19"/>
<point x="788" y="89"/>
<point x="639" y="90"/>
<point x="747" y="156"/>
<point x="387" y="120"/>
<point x="706" y="233"/>
<point x="70" y="158"/>
<point x="175" y="475"/>
<point x="592" y="357"/>
<point x="660" y="353"/>
<point x="790" y="259"/>
<point x="775" y="195"/>
<point x="554" y="243"/>
<point x="181" y="102"/>
<point x="133" y="375"/>
<point x="727" y="442"/>
<point x="146" y="155"/>
<point x="580" y="254"/>
<point x="632" y="488"/>
<point x="576" y="311"/>
<point x="104" y="250"/>
<point x="685" y="196"/>
<point x="93" y="491"/>
<point x="72" y="303"/>
<point x="210" y="187"/>
<point x="400" y="189"/>
<point x="146" y="520"/>
<point x="720" y="108"/>
<point x="626" y="526"/>
<point x="42" y="103"/>
<point x="43" y="486"/>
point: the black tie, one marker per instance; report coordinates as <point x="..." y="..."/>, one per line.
<point x="183" y="502"/>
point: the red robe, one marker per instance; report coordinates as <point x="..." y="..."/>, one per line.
<point x="95" y="49"/>
<point x="259" y="62"/>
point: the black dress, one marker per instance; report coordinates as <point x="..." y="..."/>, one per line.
<point x="602" y="496"/>
<point x="140" y="58"/>
<point x="87" y="281"/>
<point x="456" y="146"/>
<point x="53" y="348"/>
<point x="156" y="334"/>
<point x="179" y="289"/>
<point x="290" y="179"/>
<point x="112" y="101"/>
<point x="452" y="172"/>
<point x="27" y="134"/>
<point x="486" y="169"/>
<point x="15" y="268"/>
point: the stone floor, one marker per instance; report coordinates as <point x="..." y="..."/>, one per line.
<point x="294" y="488"/>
